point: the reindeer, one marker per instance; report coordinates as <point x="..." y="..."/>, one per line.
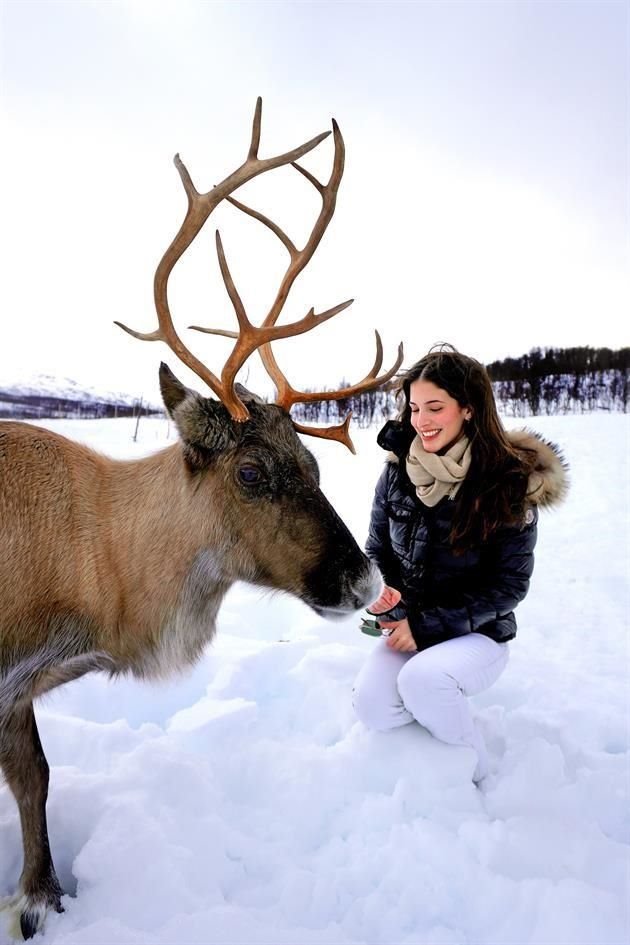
<point x="122" y="566"/>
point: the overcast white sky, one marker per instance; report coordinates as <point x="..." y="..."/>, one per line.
<point x="485" y="200"/>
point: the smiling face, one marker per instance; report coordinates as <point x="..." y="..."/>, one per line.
<point x="437" y="418"/>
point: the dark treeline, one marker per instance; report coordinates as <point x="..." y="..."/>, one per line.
<point x="562" y="380"/>
<point x="544" y="362"/>
<point x="544" y="381"/>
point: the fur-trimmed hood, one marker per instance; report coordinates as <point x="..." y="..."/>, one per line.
<point x="549" y="482"/>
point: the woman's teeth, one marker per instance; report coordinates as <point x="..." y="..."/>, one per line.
<point x="427" y="434"/>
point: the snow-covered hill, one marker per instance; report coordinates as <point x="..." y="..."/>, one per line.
<point x="43" y="395"/>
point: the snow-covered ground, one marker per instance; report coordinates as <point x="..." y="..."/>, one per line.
<point x="244" y="804"/>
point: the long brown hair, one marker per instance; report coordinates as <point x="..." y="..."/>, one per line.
<point x="494" y="491"/>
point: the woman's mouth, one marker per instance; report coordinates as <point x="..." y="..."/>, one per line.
<point x="428" y="434"/>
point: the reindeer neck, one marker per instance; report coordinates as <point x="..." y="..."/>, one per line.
<point x="165" y="538"/>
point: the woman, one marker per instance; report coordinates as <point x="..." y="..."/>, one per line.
<point x="453" y="530"/>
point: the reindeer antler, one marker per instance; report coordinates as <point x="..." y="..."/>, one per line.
<point x="249" y="337"/>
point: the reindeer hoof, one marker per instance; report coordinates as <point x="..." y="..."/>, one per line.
<point x="29" y="924"/>
<point x="27" y="914"/>
<point x="32" y="918"/>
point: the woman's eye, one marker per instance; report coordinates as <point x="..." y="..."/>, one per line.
<point x="250" y="475"/>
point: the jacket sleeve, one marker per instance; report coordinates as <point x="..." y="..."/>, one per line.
<point x="378" y="546"/>
<point x="508" y="562"/>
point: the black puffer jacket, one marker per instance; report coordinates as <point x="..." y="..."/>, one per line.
<point x="446" y="595"/>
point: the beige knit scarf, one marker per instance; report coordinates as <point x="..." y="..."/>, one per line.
<point x="436" y="476"/>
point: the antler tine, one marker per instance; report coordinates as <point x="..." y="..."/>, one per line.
<point x="378" y="361"/>
<point x="316" y="184"/>
<point x="285" y="394"/>
<point x="340" y="433"/>
<point x="200" y="206"/>
<point x="241" y="315"/>
<point x="290" y="246"/>
<point x="263" y="336"/>
<point x="329" y="200"/>
<point x="369" y="382"/>
<point x="256" y="123"/>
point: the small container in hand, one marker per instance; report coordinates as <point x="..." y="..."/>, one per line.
<point x="370" y="627"/>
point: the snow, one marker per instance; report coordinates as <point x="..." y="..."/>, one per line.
<point x="244" y="805"/>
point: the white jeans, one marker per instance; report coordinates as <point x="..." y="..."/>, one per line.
<point x="431" y="687"/>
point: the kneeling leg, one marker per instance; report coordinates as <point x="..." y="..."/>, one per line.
<point x="435" y="684"/>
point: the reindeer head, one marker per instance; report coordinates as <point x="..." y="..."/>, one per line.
<point x="281" y="530"/>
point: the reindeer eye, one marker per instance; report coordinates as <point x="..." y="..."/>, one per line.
<point x="250" y="475"/>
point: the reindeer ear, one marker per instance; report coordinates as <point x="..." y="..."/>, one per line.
<point x="204" y="424"/>
<point x="173" y="391"/>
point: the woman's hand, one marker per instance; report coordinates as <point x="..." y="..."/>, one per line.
<point x="388" y="599"/>
<point x="399" y="636"/>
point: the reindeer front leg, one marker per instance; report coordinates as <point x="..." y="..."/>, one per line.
<point x="25" y="768"/>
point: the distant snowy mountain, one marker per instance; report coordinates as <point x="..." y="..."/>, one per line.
<point x="43" y="395"/>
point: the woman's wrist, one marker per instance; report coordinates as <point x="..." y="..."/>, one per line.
<point x="397" y="612"/>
